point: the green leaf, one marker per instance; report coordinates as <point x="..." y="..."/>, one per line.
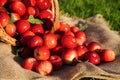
<point x="12" y="19"/>
<point x="82" y="27"/>
<point x="33" y="20"/>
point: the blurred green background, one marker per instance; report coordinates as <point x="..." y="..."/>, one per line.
<point x="110" y="9"/>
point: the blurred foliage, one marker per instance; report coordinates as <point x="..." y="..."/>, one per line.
<point x="110" y="9"/>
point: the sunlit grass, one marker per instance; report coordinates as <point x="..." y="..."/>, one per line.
<point x="110" y="9"/>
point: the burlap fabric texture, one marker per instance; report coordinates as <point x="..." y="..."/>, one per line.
<point x="98" y="30"/>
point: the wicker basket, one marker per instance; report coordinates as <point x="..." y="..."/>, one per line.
<point x="4" y="37"/>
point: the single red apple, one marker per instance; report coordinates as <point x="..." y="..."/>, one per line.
<point x="56" y="62"/>
<point x="50" y="40"/>
<point x="29" y="63"/>
<point x="10" y="29"/>
<point x="80" y="37"/>
<point x="68" y="41"/>
<point x="34" y="42"/>
<point x="17" y="7"/>
<point x="22" y="26"/>
<point x="70" y="56"/>
<point x="93" y="57"/>
<point x="44" y="67"/>
<point x="42" y="53"/>
<point x="4" y="19"/>
<point x="107" y="55"/>
<point x="94" y="46"/>
<point x="81" y="51"/>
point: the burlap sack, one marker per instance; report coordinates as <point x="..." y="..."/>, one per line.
<point x="98" y="30"/>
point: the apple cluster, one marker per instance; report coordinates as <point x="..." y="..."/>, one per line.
<point x="44" y="50"/>
<point x="66" y="46"/>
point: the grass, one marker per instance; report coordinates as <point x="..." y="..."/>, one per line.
<point x="110" y="9"/>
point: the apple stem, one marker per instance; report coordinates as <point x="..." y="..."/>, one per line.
<point x="75" y="61"/>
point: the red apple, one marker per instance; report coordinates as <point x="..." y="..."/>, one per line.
<point x="80" y="37"/>
<point x="63" y="27"/>
<point x="10" y="29"/>
<point x="42" y="53"/>
<point x="31" y="10"/>
<point x="43" y="4"/>
<point x="4" y="19"/>
<point x="29" y="63"/>
<point x="69" y="56"/>
<point x="2" y="2"/>
<point x="74" y="29"/>
<point x="57" y="50"/>
<point x="35" y="41"/>
<point x="94" y="46"/>
<point x="17" y="7"/>
<point x="28" y="3"/>
<point x="50" y="40"/>
<point x="93" y="57"/>
<point x="107" y="55"/>
<point x="68" y="41"/>
<point x="3" y="9"/>
<point x="22" y="26"/>
<point x="46" y="14"/>
<point x="25" y="37"/>
<point x="37" y="29"/>
<point x="13" y="0"/>
<point x="56" y="62"/>
<point x="81" y="51"/>
<point x="44" y="68"/>
<point x="69" y="33"/>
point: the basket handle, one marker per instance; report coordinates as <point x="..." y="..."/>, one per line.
<point x="55" y="10"/>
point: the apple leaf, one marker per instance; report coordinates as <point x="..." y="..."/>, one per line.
<point x="83" y="27"/>
<point x="12" y="19"/>
<point x="33" y="20"/>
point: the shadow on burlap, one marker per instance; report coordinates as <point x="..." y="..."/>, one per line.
<point x="97" y="30"/>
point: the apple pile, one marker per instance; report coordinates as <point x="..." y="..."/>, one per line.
<point x="45" y="47"/>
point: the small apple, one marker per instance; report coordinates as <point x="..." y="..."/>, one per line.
<point x="81" y="51"/>
<point x="42" y="53"/>
<point x="25" y="37"/>
<point x="68" y="41"/>
<point x="29" y="63"/>
<point x="50" y="40"/>
<point x="69" y="33"/>
<point x="93" y="57"/>
<point x="10" y="29"/>
<point x="43" y="4"/>
<point x="63" y="27"/>
<point x="4" y="19"/>
<point x="17" y="7"/>
<point x="69" y="56"/>
<point x="44" y="67"/>
<point x="2" y="2"/>
<point x="94" y="46"/>
<point x="56" y="62"/>
<point x="80" y="37"/>
<point x="57" y="50"/>
<point x="74" y="29"/>
<point x="34" y="42"/>
<point x="107" y="55"/>
<point x="37" y="29"/>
